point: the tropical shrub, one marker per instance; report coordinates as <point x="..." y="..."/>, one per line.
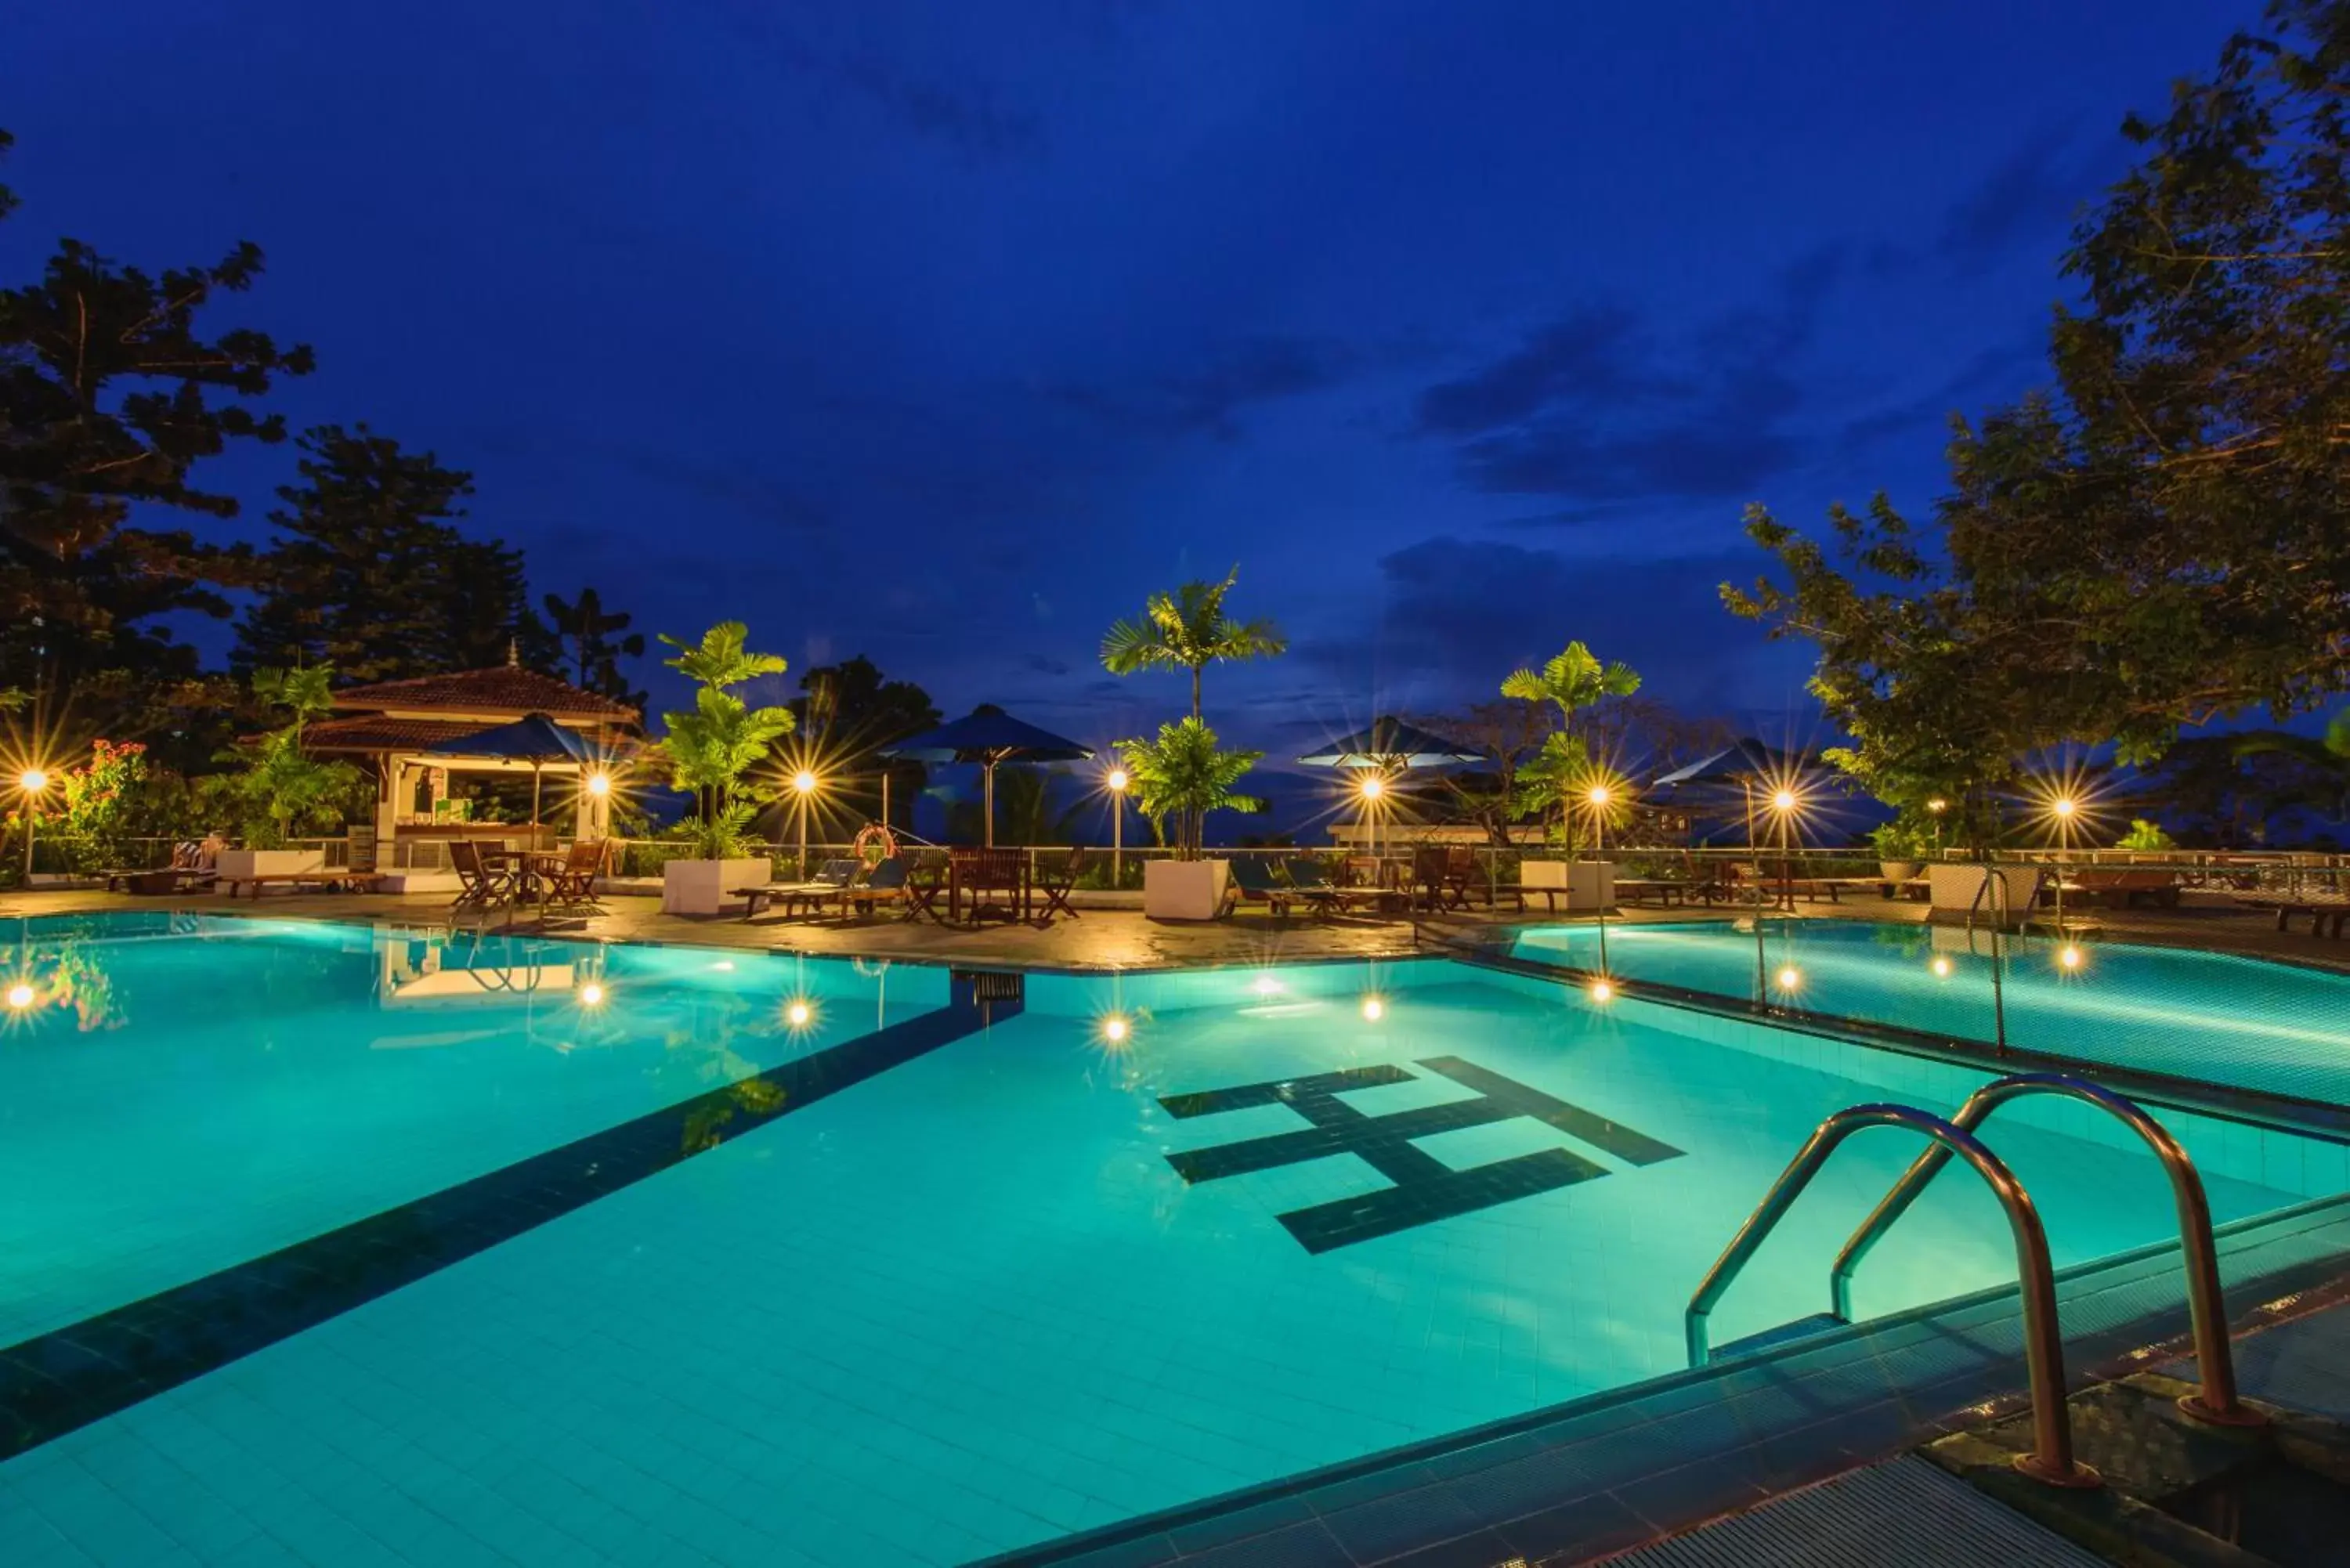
<point x="1557" y="785"/>
<point x="1181" y="776"/>
<point x="284" y="790"/>
<point x="1904" y="838"/>
<point x="2146" y="837"/>
<point x="713" y="750"/>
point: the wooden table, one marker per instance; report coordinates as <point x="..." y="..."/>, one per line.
<point x="1020" y="888"/>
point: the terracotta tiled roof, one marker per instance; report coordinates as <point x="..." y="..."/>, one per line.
<point x="374" y="733"/>
<point x="502" y="688"/>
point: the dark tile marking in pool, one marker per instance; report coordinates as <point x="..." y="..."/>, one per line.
<point x="67" y="1378"/>
<point x="1425" y="1188"/>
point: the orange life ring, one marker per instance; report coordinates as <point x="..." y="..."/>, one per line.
<point x="873" y="832"/>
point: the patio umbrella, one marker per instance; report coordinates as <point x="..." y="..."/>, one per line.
<point x="1740" y="762"/>
<point x="1391" y="742"/>
<point x="536" y="740"/>
<point x="1390" y="745"/>
<point x="988" y="736"/>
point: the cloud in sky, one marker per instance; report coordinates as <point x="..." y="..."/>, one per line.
<point x="1210" y="397"/>
<point x="1602" y="404"/>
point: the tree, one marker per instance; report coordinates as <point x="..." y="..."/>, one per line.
<point x="2158" y="541"/>
<point x="596" y="640"/>
<point x="1508" y="734"/>
<point x="372" y="575"/>
<point x="1187" y="630"/>
<point x="1184" y="775"/>
<point x="1563" y="771"/>
<point x="713" y="750"/>
<point x="283" y="787"/>
<point x="2322" y="763"/>
<point x="847" y="712"/>
<point x="111" y="394"/>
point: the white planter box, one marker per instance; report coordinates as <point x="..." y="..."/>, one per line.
<point x="1588" y="884"/>
<point x="1958" y="891"/>
<point x="1184" y="889"/>
<point x="244" y="863"/>
<point x="700" y="886"/>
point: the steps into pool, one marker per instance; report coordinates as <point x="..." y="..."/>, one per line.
<point x="1624" y="1467"/>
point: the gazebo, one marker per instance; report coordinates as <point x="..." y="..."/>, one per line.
<point x="393" y="724"/>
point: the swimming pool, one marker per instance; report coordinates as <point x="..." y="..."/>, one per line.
<point x="2270" y="1027"/>
<point x="936" y="1281"/>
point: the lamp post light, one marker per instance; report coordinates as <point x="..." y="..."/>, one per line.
<point x="1372" y="789"/>
<point x="804" y="784"/>
<point x="31" y="782"/>
<point x="1935" y="808"/>
<point x="2064" y="809"/>
<point x="1785" y="803"/>
<point x="1117" y="780"/>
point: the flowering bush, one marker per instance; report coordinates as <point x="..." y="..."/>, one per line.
<point x="84" y="815"/>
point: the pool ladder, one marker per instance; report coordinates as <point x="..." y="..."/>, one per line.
<point x="2051" y="1458"/>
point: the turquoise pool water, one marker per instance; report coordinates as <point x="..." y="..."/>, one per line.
<point x="957" y="1287"/>
<point x="2210" y="1017"/>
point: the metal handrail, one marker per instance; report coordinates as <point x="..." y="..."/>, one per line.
<point x="2207" y="1308"/>
<point x="2051" y="1460"/>
<point x="1994" y="876"/>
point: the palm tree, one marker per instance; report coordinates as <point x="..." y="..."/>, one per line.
<point x="1187" y="630"/>
<point x="1575" y="679"/>
<point x="1182" y="774"/>
<point x="1561" y="774"/>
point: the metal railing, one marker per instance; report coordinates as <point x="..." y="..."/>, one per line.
<point x="2206" y="1307"/>
<point x="2051" y="1460"/>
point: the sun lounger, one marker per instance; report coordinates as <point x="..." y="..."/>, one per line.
<point x="831" y="879"/>
<point x="2324" y="909"/>
<point x="1253" y="882"/>
<point x="343" y="881"/>
<point x="2118" y="888"/>
<point x="1309" y="883"/>
<point x="866" y="891"/>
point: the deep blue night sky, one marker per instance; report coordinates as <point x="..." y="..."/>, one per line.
<point x="942" y="333"/>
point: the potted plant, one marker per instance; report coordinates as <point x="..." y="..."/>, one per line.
<point x="1181" y="776"/>
<point x="712" y="751"/>
<point x="283" y="785"/>
<point x="1902" y="847"/>
<point x="1561" y="785"/>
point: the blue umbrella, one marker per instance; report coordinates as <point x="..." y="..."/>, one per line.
<point x="1742" y="763"/>
<point x="1391" y="742"/>
<point x="987" y="736"/>
<point x="536" y="740"/>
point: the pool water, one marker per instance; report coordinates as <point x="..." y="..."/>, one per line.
<point x="2210" y="1017"/>
<point x="1016" y="1281"/>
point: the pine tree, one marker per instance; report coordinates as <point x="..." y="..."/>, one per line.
<point x="111" y="394"/>
<point x="372" y="575"/>
<point x="594" y="641"/>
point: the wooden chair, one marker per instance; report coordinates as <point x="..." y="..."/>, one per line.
<point x="480" y="884"/>
<point x="1054" y="879"/>
<point x="926" y="878"/>
<point x="575" y="883"/>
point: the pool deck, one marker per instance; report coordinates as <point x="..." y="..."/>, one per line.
<point x="1116" y="938"/>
